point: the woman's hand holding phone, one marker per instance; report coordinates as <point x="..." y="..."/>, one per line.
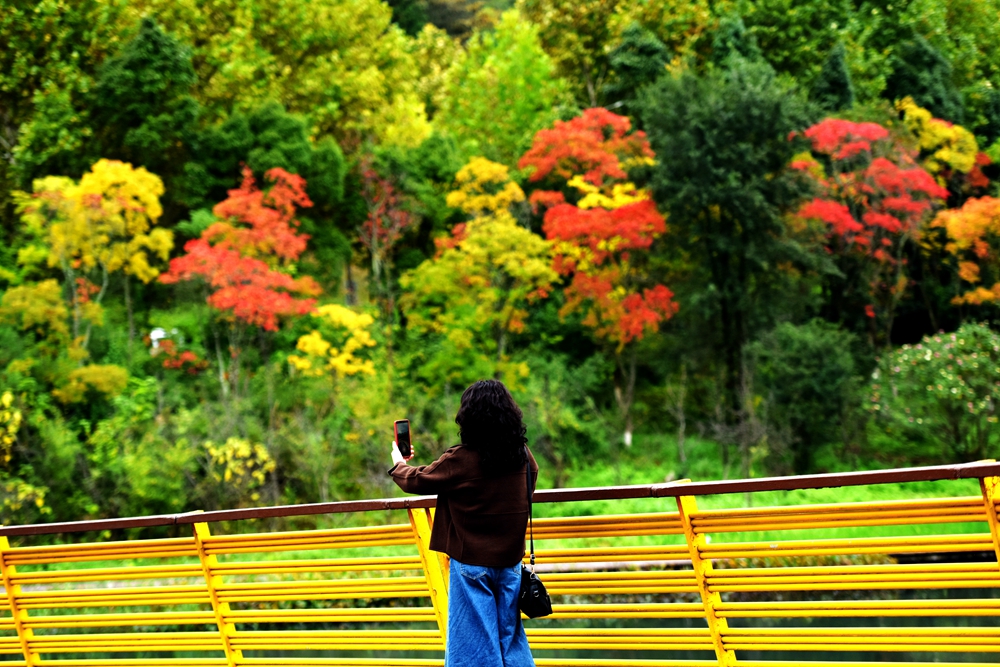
<point x="397" y="457"/>
<point x="402" y="446"/>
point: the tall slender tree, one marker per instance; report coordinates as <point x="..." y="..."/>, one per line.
<point x="722" y="147"/>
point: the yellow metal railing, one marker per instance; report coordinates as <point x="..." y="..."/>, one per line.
<point x="687" y="588"/>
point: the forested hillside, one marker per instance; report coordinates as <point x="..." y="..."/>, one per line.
<point x="241" y="238"/>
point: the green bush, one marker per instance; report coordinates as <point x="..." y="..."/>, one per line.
<point x="942" y="394"/>
<point x="807" y="376"/>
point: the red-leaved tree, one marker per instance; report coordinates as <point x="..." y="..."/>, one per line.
<point x="873" y="201"/>
<point x="384" y="225"/>
<point x="602" y="225"/>
<point x="597" y="145"/>
<point x="245" y="259"/>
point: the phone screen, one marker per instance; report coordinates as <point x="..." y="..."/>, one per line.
<point x="403" y="437"/>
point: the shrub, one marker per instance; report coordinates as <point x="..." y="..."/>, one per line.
<point x="943" y="393"/>
<point x="807" y="374"/>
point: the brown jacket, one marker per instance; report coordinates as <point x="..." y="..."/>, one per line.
<point x="480" y="518"/>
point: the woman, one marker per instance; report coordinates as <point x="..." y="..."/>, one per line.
<point x="482" y="513"/>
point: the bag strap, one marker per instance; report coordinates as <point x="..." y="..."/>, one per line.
<point x="531" y="527"/>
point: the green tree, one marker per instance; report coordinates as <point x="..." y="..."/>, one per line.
<point x="425" y="174"/>
<point x="733" y="40"/>
<point x="456" y="17"/>
<point x="141" y="108"/>
<point x="833" y="90"/>
<point x="502" y="92"/>
<point x="795" y="36"/>
<point x="920" y="71"/>
<point x="262" y="139"/>
<point x="353" y="78"/>
<point x="51" y="51"/>
<point x="722" y="147"/>
<point x="806" y="374"/>
<point x="679" y="24"/>
<point x="638" y="60"/>
<point x="577" y="35"/>
<point x="962" y="31"/>
<point x="134" y="469"/>
<point x="56" y="140"/>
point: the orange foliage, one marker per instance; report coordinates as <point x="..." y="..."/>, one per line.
<point x="175" y="359"/>
<point x="974" y="238"/>
<point x="242" y="256"/>
<point x="597" y="239"/>
<point x="596" y="144"/>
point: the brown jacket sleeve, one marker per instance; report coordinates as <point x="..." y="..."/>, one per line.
<point x="438" y="477"/>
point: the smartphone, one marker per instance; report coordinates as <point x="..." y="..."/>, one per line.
<point x="402" y="428"/>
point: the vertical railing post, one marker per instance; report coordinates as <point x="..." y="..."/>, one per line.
<point x="687" y="505"/>
<point x="434" y="570"/>
<point x="212" y="581"/>
<point x="990" y="486"/>
<point x="20" y="616"/>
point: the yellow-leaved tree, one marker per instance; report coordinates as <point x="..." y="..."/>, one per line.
<point x="239" y="468"/>
<point x="948" y="151"/>
<point x="342" y="391"/>
<point x="472" y="296"/>
<point x="38" y="310"/>
<point x="338" y="359"/>
<point x="10" y="423"/>
<point x="91" y="229"/>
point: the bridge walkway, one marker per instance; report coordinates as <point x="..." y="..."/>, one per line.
<point x="694" y="584"/>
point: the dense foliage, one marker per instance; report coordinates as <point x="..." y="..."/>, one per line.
<point x="241" y="238"/>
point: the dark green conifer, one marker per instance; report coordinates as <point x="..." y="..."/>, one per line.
<point x="923" y="73"/>
<point x="637" y="61"/>
<point x="733" y="40"/>
<point x="833" y="90"/>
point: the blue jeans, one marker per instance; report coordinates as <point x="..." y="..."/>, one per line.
<point x="484" y="624"/>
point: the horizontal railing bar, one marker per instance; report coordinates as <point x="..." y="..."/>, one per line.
<point x="667" y="490"/>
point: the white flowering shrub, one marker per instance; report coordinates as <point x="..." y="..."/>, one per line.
<point x="944" y="391"/>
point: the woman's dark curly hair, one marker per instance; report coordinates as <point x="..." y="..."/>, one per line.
<point x="490" y="422"/>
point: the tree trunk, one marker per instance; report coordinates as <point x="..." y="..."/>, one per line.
<point x="350" y="288"/>
<point x="922" y="286"/>
<point x="501" y="340"/>
<point x="681" y="421"/>
<point x="73" y="297"/>
<point x="390" y="301"/>
<point x="223" y="381"/>
<point x="131" y="319"/>
<point x="625" y="391"/>
<point x="100" y="297"/>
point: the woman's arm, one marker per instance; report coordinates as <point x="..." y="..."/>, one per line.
<point x="438" y="477"/>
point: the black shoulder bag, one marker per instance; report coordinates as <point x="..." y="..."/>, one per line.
<point x="534" y="599"/>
